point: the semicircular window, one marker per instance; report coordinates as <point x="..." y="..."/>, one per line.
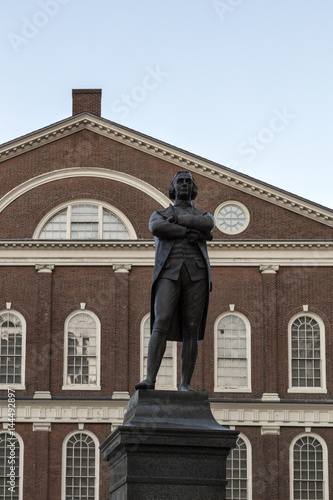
<point x="84" y="221"/>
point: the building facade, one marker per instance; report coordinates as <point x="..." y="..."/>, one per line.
<point x="76" y="261"/>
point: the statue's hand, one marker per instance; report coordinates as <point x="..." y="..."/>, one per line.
<point x="193" y="235"/>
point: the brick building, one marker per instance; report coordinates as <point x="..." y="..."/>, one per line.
<point x="76" y="261"/>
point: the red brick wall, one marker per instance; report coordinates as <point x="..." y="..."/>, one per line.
<point x="87" y="149"/>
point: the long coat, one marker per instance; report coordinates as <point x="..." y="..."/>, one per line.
<point x="165" y="234"/>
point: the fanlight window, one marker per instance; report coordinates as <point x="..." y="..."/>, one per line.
<point x="84" y="221"/>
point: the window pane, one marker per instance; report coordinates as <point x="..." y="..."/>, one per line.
<point x="80" y="473"/>
<point x="55" y="229"/>
<point x="9" y="445"/>
<point x="113" y="228"/>
<point x="10" y="349"/>
<point x="85" y="224"/>
<point x="232" y="362"/>
<point x="82" y="355"/>
<point x="237" y="472"/>
<point x="306" y="352"/>
<point x="308" y="469"/>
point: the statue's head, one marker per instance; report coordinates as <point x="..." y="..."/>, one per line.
<point x="183" y="186"/>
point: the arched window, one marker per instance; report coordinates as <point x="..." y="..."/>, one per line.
<point x="232" y="353"/>
<point x="11" y="455"/>
<point x="12" y="348"/>
<point x="167" y="374"/>
<point x="85" y="220"/>
<point x="80" y="476"/>
<point x="309" y="462"/>
<point x="82" y="351"/>
<point x="307" y="371"/>
<point x="239" y="471"/>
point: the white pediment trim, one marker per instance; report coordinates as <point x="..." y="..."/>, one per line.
<point x="178" y="157"/>
<point x="67" y="173"/>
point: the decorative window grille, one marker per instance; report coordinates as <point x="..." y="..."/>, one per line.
<point x="232" y="217"/>
<point x="9" y="451"/>
<point x="237" y="472"/>
<point x="308" y="469"/>
<point x="81" y="482"/>
<point x="11" y="349"/>
<point x="306" y="352"/>
<point x="84" y="221"/>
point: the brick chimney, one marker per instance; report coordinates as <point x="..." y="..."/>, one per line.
<point x="87" y="100"/>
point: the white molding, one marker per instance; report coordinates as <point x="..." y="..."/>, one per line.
<point x="270" y="430"/>
<point x="268" y="269"/>
<point x="239" y="253"/>
<point x="270" y="396"/>
<point x="63" y="461"/>
<point x="176" y="156"/>
<point x="121" y="268"/>
<point x="74" y="172"/>
<point x="42" y="395"/>
<point x="112" y="411"/>
<point x="276" y="414"/>
<point x="121" y="395"/>
<point x="41" y="426"/>
<point x="44" y="268"/>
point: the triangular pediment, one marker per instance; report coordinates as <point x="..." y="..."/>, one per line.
<point x="171" y="154"/>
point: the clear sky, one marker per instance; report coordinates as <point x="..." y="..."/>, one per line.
<point x="245" y="83"/>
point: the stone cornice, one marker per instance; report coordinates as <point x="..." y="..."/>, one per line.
<point x="173" y="155"/>
<point x="227" y="413"/>
<point x="127" y="253"/>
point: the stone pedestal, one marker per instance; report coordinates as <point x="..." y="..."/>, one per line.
<point x="170" y="447"/>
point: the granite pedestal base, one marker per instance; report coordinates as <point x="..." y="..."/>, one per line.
<point x="170" y="447"/>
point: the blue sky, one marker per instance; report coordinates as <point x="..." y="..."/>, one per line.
<point x="245" y="83"/>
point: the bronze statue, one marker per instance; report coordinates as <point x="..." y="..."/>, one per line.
<point x="181" y="279"/>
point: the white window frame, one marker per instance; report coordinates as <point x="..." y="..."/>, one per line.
<point x="83" y="387"/>
<point x="21" y="459"/>
<point x="248" y="464"/>
<point x="248" y="388"/>
<point x="322" y="388"/>
<point x="174" y="357"/>
<point x="20" y="386"/>
<point x="64" y="460"/>
<point x="69" y="204"/>
<point x="242" y="207"/>
<point x="325" y="462"/>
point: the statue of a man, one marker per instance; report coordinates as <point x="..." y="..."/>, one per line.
<point x="181" y="279"/>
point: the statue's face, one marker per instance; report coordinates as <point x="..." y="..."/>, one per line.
<point x="183" y="187"/>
